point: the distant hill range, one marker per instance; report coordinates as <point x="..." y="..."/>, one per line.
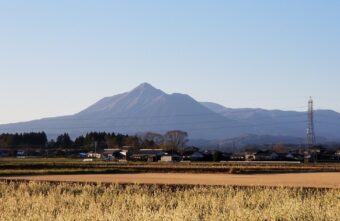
<point x="146" y="108"/>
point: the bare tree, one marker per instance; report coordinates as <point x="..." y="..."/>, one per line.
<point x="280" y="148"/>
<point x="175" y="140"/>
<point x="155" y="137"/>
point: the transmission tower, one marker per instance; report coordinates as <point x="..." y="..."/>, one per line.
<point x="310" y="129"/>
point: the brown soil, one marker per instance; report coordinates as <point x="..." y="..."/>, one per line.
<point x="331" y="180"/>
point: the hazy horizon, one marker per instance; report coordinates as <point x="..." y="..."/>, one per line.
<point x="57" y="58"/>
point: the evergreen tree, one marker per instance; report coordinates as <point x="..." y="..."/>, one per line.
<point x="64" y="141"/>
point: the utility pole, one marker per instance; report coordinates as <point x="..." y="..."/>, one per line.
<point x="95" y="147"/>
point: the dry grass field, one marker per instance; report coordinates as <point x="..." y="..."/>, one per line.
<point x="66" y="201"/>
<point x="329" y="180"/>
<point x="215" y="191"/>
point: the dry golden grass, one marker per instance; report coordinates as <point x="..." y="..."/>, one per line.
<point x="44" y="201"/>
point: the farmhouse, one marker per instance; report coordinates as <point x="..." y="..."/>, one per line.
<point x="4" y="153"/>
<point x="266" y="155"/>
<point x="337" y="154"/>
<point x="21" y="154"/>
<point x="261" y="155"/>
<point x="291" y="156"/>
<point x="197" y="156"/>
<point x="93" y="155"/>
<point x="250" y="155"/>
<point x="237" y="156"/>
<point x="114" y="154"/>
<point x="171" y="158"/>
<point x="148" y="155"/>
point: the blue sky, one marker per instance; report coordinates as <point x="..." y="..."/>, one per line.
<point x="58" y="57"/>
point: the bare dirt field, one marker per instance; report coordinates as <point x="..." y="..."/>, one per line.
<point x="327" y="180"/>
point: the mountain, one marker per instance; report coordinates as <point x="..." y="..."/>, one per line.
<point x="281" y="123"/>
<point x="145" y="108"/>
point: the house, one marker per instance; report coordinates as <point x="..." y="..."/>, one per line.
<point x="147" y="155"/>
<point x="337" y="155"/>
<point x="250" y="155"/>
<point x="82" y="155"/>
<point x="4" y="153"/>
<point x="125" y="154"/>
<point x="237" y="157"/>
<point x="93" y="155"/>
<point x="171" y="158"/>
<point x="114" y="154"/>
<point x="260" y="155"/>
<point x="197" y="156"/>
<point x="311" y="154"/>
<point x="21" y="154"/>
<point x="266" y="155"/>
<point x="225" y="156"/>
<point x="326" y="155"/>
<point x="291" y="157"/>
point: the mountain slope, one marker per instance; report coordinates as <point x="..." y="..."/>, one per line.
<point x="145" y="108"/>
<point x="281" y="123"/>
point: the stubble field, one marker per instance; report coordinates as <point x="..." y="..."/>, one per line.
<point x="316" y="180"/>
<point x="67" y="201"/>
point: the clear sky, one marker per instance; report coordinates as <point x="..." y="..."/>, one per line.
<point x="58" y="57"/>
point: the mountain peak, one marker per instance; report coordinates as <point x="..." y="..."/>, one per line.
<point x="145" y="86"/>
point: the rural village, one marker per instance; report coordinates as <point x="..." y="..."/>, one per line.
<point x="97" y="150"/>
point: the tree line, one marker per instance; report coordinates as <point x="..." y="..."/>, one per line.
<point x="171" y="140"/>
<point x="23" y="140"/>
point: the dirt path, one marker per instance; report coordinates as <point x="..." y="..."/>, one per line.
<point x="295" y="180"/>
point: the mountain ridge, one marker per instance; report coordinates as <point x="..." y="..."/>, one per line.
<point x="146" y="108"/>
